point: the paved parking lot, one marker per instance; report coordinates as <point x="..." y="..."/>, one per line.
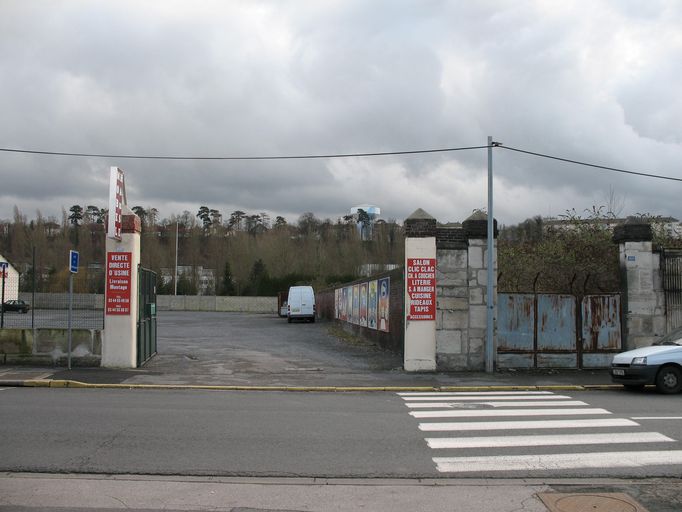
<point x="255" y="349"/>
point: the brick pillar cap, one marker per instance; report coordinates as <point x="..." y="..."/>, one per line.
<point x="476" y="226"/>
<point x="478" y="215"/>
<point x="633" y="231"/>
<point x="420" y="214"/>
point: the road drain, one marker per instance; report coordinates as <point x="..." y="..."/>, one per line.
<point x="597" y="502"/>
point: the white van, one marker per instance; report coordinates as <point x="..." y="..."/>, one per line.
<point x="301" y="303"/>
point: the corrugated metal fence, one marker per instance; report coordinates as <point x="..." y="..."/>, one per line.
<point x="538" y="330"/>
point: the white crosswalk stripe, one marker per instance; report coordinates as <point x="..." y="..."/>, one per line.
<point x="483" y="397"/>
<point x="507" y="412"/>
<point x="436" y="405"/>
<point x="525" y="425"/>
<point x="550" y="412"/>
<point x="632" y="459"/>
<point x="548" y="440"/>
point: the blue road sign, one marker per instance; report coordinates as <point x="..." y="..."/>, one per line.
<point x="73" y="261"/>
<point x="3" y="265"/>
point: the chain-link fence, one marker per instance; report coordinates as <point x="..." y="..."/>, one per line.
<point x="51" y="311"/>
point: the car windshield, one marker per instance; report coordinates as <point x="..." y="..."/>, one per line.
<point x="673" y="338"/>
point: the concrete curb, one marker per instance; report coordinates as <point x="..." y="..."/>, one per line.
<point x="48" y="383"/>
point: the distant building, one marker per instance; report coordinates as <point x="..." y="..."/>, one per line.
<point x="11" y="280"/>
<point x="370" y="269"/>
<point x="203" y="277"/>
<point x="365" y="216"/>
<point x="670" y="225"/>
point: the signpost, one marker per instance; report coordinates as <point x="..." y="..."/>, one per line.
<point x="3" y="269"/>
<point x="73" y="269"/>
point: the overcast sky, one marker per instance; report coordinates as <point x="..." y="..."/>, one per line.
<point x="597" y="81"/>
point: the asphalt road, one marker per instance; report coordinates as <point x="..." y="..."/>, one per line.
<point x="336" y="435"/>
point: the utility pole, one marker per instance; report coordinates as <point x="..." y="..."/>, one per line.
<point x="490" y="301"/>
<point x="175" y="278"/>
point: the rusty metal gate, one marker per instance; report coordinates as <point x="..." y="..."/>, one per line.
<point x="672" y="287"/>
<point x="538" y="330"/>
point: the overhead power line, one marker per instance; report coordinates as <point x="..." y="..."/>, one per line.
<point x="339" y="155"/>
<point x="587" y="164"/>
<point x="273" y="157"/>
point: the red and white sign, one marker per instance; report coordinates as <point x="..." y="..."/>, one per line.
<point x="119" y="274"/>
<point x="117" y="198"/>
<point x="421" y="288"/>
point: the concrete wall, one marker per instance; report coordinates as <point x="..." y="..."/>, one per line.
<point x="163" y="302"/>
<point x="50" y="346"/>
<point x="212" y="303"/>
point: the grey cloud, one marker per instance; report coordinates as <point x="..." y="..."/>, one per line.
<point x="249" y="78"/>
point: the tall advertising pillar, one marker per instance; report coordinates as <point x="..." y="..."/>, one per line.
<point x="119" y="341"/>
<point x="420" y="292"/>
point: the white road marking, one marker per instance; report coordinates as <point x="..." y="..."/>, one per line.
<point x="433" y="405"/>
<point x="507" y="412"/>
<point x="463" y="426"/>
<point x="486" y="397"/>
<point x="632" y="459"/>
<point x="657" y="417"/>
<point x="472" y="393"/>
<point x="548" y="440"/>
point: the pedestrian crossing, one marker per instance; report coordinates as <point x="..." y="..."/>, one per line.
<point x="531" y="431"/>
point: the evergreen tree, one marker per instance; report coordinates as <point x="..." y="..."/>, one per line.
<point x="227" y="284"/>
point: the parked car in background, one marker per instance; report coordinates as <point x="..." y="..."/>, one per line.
<point x="659" y="364"/>
<point x="301" y="303"/>
<point x="16" y="305"/>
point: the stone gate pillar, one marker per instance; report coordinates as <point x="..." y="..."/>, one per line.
<point x="476" y="229"/>
<point x="420" y="292"/>
<point x="119" y="341"/>
<point x="643" y="300"/>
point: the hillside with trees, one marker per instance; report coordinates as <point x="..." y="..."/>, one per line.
<point x="245" y="253"/>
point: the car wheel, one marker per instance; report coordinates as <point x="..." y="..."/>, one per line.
<point x="669" y="380"/>
<point x="634" y="387"/>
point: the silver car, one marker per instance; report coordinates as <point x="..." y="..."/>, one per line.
<point x="659" y="364"/>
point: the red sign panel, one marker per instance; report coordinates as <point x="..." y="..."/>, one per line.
<point x="421" y="288"/>
<point x="116" y="201"/>
<point x="119" y="274"/>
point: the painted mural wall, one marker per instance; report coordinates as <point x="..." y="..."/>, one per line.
<point x="364" y="304"/>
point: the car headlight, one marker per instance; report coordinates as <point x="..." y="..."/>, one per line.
<point x="639" y="360"/>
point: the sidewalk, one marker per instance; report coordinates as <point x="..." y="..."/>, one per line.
<point x="243" y="351"/>
<point x="305" y="379"/>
